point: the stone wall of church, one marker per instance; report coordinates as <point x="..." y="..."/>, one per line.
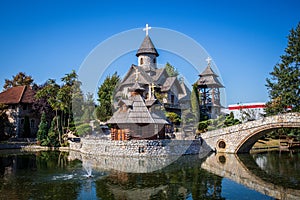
<point x="137" y="148"/>
<point x="147" y="60"/>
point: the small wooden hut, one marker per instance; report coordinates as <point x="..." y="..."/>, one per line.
<point x="137" y="117"/>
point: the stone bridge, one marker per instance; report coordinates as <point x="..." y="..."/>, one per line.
<point x="240" y="138"/>
<point x="230" y="166"/>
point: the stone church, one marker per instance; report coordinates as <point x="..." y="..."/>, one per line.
<point x="172" y="92"/>
<point x="143" y="95"/>
<point x="146" y="92"/>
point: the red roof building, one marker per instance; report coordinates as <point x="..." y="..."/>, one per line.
<point x="19" y="100"/>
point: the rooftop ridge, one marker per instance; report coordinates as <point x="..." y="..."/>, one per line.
<point x="22" y="93"/>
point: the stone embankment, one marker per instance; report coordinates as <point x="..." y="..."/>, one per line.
<point x="137" y="156"/>
<point x="138" y="148"/>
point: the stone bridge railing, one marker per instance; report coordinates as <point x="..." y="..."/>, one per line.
<point x="241" y="138"/>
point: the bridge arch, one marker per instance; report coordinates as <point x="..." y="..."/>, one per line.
<point x="247" y="143"/>
<point x="240" y="138"/>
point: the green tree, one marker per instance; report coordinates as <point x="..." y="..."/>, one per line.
<point x="50" y="92"/>
<point x="53" y="138"/>
<point x="60" y="100"/>
<point x="88" y="108"/>
<point x="4" y="122"/>
<point x="105" y="97"/>
<point x="220" y="122"/>
<point x="195" y="102"/>
<point x="65" y="96"/>
<point x="78" y="102"/>
<point x="171" y="71"/>
<point x="202" y="126"/>
<point x="230" y="120"/>
<point x="20" y="79"/>
<point x="43" y="128"/>
<point x="173" y="117"/>
<point x="284" y="84"/>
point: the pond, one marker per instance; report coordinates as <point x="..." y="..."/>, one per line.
<point x="54" y="175"/>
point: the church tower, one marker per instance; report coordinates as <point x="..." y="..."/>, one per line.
<point x="147" y="53"/>
<point x="209" y="89"/>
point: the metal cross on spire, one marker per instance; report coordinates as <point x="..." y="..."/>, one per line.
<point x="147" y="29"/>
<point x="151" y="90"/>
<point x="136" y="74"/>
<point x="208" y="60"/>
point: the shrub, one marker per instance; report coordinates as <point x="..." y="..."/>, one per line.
<point x="83" y="129"/>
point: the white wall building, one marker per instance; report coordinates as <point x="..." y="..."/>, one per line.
<point x="247" y="111"/>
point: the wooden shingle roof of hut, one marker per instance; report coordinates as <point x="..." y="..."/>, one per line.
<point x="137" y="113"/>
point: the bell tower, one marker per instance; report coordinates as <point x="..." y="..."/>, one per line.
<point x="147" y="53"/>
<point x="209" y="89"/>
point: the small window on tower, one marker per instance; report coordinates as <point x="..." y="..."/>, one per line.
<point x="141" y="61"/>
<point x="154" y="60"/>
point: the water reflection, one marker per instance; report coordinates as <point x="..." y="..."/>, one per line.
<point x="180" y="180"/>
<point x="30" y="176"/>
<point x="281" y="168"/>
<point x="272" y="174"/>
<point x="53" y="175"/>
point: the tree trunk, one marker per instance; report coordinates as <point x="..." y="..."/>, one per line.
<point x="58" y="129"/>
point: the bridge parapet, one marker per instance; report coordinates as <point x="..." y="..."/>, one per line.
<point x="241" y="137"/>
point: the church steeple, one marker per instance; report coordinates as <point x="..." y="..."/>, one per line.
<point x="147" y="53"/>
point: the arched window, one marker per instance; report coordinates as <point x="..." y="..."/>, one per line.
<point x="141" y="61"/>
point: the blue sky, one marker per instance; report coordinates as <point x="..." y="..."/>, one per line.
<point x="47" y="39"/>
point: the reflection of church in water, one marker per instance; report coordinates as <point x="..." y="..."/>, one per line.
<point x="147" y="92"/>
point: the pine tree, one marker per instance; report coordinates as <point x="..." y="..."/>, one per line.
<point x="284" y="84"/>
<point x="195" y="103"/>
<point x="52" y="138"/>
<point x="105" y="96"/>
<point x="43" y="128"/>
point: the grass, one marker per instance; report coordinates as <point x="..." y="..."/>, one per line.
<point x="268" y="142"/>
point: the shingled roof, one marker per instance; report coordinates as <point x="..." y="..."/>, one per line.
<point x="208" y="78"/>
<point x="147" y="47"/>
<point x="17" y="94"/>
<point x="169" y="82"/>
<point x="129" y="78"/>
<point x="137" y="113"/>
<point x="208" y="72"/>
